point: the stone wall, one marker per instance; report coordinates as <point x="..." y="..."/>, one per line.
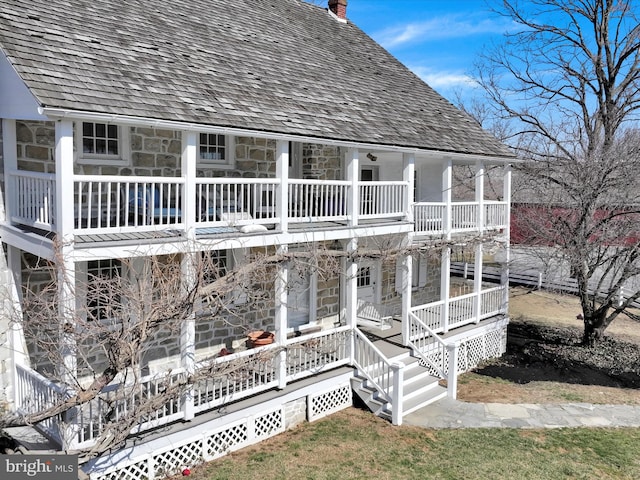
<point x="36" y="146"/>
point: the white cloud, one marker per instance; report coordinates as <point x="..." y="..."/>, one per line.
<point x="443" y="79"/>
<point x="449" y="26"/>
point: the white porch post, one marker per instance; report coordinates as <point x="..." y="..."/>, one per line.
<point x="10" y="158"/>
<point x="188" y="333"/>
<point x="477" y="276"/>
<point x="282" y="279"/>
<point x="477" y="282"/>
<point x="507" y="233"/>
<point x="282" y="190"/>
<point x="65" y="266"/>
<point x="351" y="287"/>
<point x="445" y="264"/>
<point x="452" y="370"/>
<point x="16" y="339"/>
<point x="353" y="176"/>
<point x="480" y="174"/>
<point x="408" y="175"/>
<point x="445" y="285"/>
<point x="407" y="275"/>
<point x="398" y="393"/>
<point x="189" y="167"/>
<point x="447" y="184"/>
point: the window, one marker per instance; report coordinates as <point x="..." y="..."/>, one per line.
<point x="215" y="265"/>
<point x="364" y="277"/>
<point x="101" y="143"/>
<point x="214" y="149"/>
<point x="104" y="289"/>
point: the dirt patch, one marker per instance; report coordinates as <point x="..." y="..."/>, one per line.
<point x="545" y="361"/>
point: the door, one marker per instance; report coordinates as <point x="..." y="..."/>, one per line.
<point x="300" y="297"/>
<point x="367" y="282"/>
<point x="367" y="174"/>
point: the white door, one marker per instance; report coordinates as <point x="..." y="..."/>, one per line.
<point x="299" y="297"/>
<point x="368" y="282"/>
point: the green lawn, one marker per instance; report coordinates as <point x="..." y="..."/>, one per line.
<point x="354" y="444"/>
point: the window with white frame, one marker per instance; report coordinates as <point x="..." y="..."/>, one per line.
<point x="215" y="149"/>
<point x="102" y="143"/>
<point x="104" y="289"/>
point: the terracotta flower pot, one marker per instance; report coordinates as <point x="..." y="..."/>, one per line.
<point x="259" y="338"/>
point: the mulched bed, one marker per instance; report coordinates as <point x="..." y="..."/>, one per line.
<point x="538" y="353"/>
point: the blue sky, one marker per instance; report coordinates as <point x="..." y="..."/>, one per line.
<point x="437" y="39"/>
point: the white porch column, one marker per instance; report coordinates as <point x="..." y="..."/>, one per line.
<point x="477" y="276"/>
<point x="507" y="233"/>
<point x="447" y="184"/>
<point x="188" y="332"/>
<point x="351" y="289"/>
<point x="353" y="176"/>
<point x="480" y="174"/>
<point x="477" y="282"/>
<point x="407" y="275"/>
<point x="64" y="182"/>
<point x="280" y="319"/>
<point x="408" y="175"/>
<point x="445" y="285"/>
<point x="282" y="190"/>
<point x="452" y="370"/>
<point x="10" y="158"/>
<point x="189" y="166"/>
<point x="13" y="305"/>
<point x="65" y="266"/>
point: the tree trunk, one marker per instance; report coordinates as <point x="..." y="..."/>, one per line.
<point x="594" y="327"/>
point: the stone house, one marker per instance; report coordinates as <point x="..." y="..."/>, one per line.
<point x="217" y="134"/>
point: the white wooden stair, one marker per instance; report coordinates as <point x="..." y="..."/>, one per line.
<point x="419" y="389"/>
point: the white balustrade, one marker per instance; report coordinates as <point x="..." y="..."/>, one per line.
<point x="382" y="199"/>
<point x="428" y="218"/>
<point x="33" y="201"/>
<point x="464" y="216"/>
<point x="317" y="352"/>
<point x="106" y="204"/>
<point x="495" y="215"/>
<point x="317" y="200"/>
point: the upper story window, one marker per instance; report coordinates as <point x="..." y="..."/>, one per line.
<point x="102" y="143"/>
<point x="214" y="149"/>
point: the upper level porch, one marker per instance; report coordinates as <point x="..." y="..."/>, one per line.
<point x="271" y="192"/>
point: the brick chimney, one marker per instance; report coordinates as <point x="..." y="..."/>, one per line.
<point x="338" y="8"/>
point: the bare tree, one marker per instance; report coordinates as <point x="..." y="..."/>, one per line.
<point x="567" y="76"/>
<point x="126" y="309"/>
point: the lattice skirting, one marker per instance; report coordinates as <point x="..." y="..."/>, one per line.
<point x="472" y="351"/>
<point x="206" y="446"/>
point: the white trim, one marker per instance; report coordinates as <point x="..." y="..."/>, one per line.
<point x="175" y="125"/>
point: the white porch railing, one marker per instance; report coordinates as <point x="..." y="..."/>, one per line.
<point x="317" y="200"/>
<point x="36" y="393"/>
<point x="461" y="309"/>
<point x="429" y="217"/>
<point x="384" y="376"/>
<point x="428" y="345"/>
<point x="317" y="352"/>
<point x="105" y="204"/>
<point x="33" y="199"/>
<point x="464" y="216"/>
<point x="382" y="199"/>
<point x="236" y="201"/>
<point x="495" y="214"/>
<point x="167" y="396"/>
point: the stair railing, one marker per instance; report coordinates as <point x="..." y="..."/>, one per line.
<point x="441" y="356"/>
<point x="385" y="376"/>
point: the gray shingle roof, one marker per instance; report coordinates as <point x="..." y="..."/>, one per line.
<point x="281" y="66"/>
